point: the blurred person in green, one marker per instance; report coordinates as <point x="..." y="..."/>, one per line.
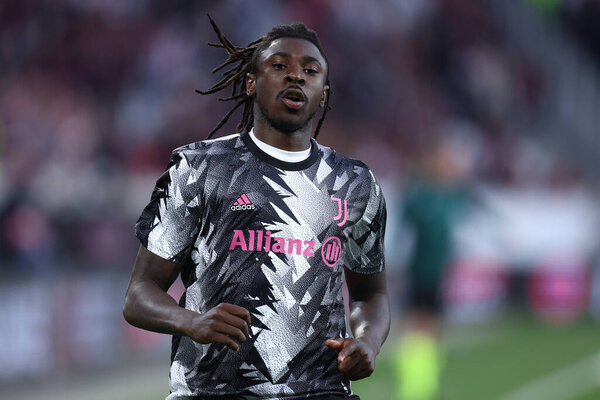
<point x="433" y="201"/>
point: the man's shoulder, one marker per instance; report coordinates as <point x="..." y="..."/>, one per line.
<point x="209" y="148"/>
<point x="344" y="163"/>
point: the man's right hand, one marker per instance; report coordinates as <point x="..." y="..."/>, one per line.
<point x="149" y="306"/>
<point x="226" y="323"/>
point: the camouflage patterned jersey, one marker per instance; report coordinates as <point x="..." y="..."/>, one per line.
<point x="272" y="237"/>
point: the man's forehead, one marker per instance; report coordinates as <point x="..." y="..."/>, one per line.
<point x="293" y="47"/>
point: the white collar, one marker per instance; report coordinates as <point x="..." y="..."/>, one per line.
<point x="283" y="155"/>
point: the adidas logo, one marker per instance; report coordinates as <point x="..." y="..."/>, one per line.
<point x="243" y="203"/>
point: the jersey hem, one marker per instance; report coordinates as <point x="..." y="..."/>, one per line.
<point x="240" y="396"/>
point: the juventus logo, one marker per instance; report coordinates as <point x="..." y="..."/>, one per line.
<point x="341" y="213"/>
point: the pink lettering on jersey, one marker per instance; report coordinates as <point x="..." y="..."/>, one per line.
<point x="279" y="245"/>
<point x="258" y="240"/>
<point x="238" y="240"/>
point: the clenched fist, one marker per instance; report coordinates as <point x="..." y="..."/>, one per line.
<point x="356" y="359"/>
<point x="226" y="323"/>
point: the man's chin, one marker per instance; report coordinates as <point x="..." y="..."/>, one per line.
<point x="287" y="126"/>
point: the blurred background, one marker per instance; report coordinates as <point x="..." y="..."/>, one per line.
<point x="497" y="99"/>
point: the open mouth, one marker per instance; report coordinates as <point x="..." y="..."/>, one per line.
<point x="293" y="98"/>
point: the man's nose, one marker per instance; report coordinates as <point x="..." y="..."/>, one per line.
<point x="296" y="76"/>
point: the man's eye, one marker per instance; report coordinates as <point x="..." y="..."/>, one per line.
<point x="310" y="71"/>
<point x="278" y="66"/>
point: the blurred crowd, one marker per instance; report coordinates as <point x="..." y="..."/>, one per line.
<point x="95" y="93"/>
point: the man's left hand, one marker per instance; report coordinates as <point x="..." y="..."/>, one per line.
<point x="356" y="359"/>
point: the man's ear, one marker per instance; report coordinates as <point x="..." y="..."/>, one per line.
<point x="324" y="97"/>
<point x="250" y="84"/>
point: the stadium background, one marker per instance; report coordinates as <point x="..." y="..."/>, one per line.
<point x="95" y="93"/>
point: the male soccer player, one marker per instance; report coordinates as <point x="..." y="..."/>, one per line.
<point x="262" y="225"/>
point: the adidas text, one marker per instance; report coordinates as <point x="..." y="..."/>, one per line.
<point x="243" y="207"/>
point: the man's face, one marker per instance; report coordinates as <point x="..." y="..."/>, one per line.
<point x="289" y="84"/>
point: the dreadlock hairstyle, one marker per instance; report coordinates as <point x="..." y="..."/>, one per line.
<point x="243" y="60"/>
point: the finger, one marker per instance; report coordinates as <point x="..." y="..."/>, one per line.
<point x="348" y="363"/>
<point x="232" y="331"/>
<point x="236" y="310"/>
<point x="234" y="320"/>
<point x="226" y="340"/>
<point x="360" y="373"/>
<point x="349" y="347"/>
<point x="335" y="344"/>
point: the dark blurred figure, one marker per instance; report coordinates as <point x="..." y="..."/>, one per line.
<point x="434" y="200"/>
<point x="582" y="19"/>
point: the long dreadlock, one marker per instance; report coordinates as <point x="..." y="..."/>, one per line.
<point x="246" y="59"/>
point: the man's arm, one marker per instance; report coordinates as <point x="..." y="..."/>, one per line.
<point x="148" y="306"/>
<point x="369" y="321"/>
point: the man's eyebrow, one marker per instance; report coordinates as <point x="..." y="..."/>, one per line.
<point x="280" y="54"/>
<point x="284" y="54"/>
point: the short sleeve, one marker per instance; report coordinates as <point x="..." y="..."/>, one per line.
<point x="365" y="251"/>
<point x="169" y="224"/>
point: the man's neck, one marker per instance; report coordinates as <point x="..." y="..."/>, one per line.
<point x="293" y="141"/>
